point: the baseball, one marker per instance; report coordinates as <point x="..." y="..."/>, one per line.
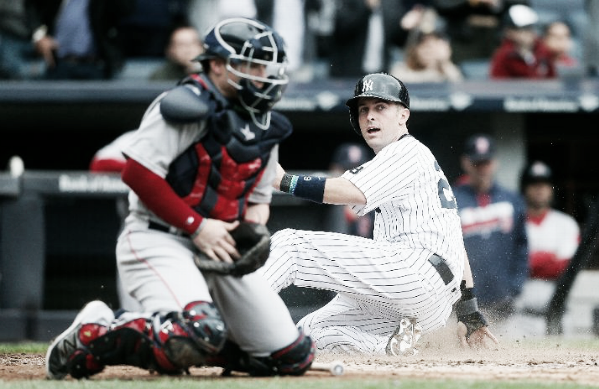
<point x="335" y="367"/>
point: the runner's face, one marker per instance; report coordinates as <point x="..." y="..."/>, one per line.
<point x="381" y="122"/>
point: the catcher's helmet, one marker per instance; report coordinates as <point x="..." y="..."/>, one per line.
<point x="380" y="85"/>
<point x="245" y="42"/>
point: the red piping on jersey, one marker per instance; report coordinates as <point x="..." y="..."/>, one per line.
<point x="149" y="266"/>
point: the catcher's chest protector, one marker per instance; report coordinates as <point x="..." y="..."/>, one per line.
<point x="216" y="174"/>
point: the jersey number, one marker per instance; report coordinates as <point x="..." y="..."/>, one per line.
<point x="444" y="190"/>
<point x="446" y="195"/>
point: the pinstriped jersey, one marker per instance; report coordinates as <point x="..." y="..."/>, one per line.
<point x="413" y="201"/>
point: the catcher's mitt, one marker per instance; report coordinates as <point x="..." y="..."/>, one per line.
<point x="253" y="244"/>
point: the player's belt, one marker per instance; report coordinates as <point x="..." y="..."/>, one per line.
<point x="152" y="225"/>
<point x="441" y="266"/>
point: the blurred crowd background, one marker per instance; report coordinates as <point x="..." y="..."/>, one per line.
<point x="418" y="41"/>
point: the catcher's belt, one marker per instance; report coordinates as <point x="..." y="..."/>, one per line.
<point x="152" y="225"/>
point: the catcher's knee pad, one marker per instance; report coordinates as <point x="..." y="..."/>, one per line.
<point x="294" y="359"/>
<point x="168" y="344"/>
<point x="199" y="332"/>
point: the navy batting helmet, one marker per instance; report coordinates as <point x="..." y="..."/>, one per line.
<point x="244" y="42"/>
<point x="379" y="85"/>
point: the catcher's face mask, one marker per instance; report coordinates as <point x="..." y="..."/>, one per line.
<point x="256" y="63"/>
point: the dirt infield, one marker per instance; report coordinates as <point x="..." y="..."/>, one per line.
<point x="548" y="360"/>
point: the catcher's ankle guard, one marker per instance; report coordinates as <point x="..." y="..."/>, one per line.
<point x="82" y="363"/>
<point x="294" y="359"/>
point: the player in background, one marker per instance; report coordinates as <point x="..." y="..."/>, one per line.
<point x="343" y="219"/>
<point x="553" y="238"/>
<point x="493" y="224"/>
<point x="203" y="159"/>
<point x="405" y="280"/>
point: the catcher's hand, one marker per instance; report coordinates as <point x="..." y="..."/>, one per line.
<point x="253" y="243"/>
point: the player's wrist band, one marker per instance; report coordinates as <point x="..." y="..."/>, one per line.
<point x="466" y="307"/>
<point x="307" y="187"/>
<point x="468" y="294"/>
<point x="286" y="183"/>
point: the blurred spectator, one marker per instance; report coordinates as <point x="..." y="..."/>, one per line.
<point x="145" y="33"/>
<point x="553" y="238"/>
<point x="427" y="58"/>
<point x="557" y="37"/>
<point x="420" y="15"/>
<point x="493" y="224"/>
<point x="591" y="38"/>
<point x="522" y="54"/>
<point x="184" y="45"/>
<point x="319" y="17"/>
<point x="204" y="14"/>
<point x="79" y="39"/>
<point x="18" y="59"/>
<point x="287" y="17"/>
<point x="364" y="34"/>
<point x="342" y="218"/>
<point x="474" y="26"/>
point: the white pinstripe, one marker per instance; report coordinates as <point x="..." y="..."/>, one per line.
<point x="379" y="280"/>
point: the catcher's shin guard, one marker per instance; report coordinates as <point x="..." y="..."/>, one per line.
<point x="167" y="344"/>
<point x="294" y="359"/>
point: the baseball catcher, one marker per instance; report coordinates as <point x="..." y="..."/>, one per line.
<point x="200" y="168"/>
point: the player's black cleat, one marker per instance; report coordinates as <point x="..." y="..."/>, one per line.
<point x="68" y="353"/>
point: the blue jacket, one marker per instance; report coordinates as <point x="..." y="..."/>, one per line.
<point x="495" y="240"/>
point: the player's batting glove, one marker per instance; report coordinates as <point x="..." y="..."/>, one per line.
<point x="467" y="311"/>
<point x="253" y="243"/>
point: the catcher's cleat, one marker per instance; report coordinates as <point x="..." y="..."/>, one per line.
<point x="404" y="338"/>
<point x="69" y="353"/>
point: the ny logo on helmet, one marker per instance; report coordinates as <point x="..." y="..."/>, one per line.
<point x="367" y="85"/>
